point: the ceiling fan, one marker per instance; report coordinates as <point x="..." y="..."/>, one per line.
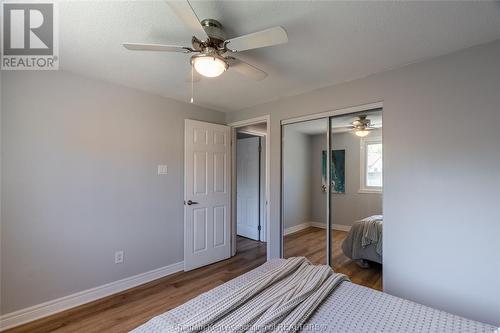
<point x="362" y="126"/>
<point x="212" y="50"/>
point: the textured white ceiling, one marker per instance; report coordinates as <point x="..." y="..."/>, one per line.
<point x="329" y="42"/>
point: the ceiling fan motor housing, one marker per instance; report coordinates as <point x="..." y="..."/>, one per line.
<point x="215" y="31"/>
<point x="361" y="123"/>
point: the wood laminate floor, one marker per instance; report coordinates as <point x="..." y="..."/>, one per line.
<point x="127" y="310"/>
<point x="310" y="243"/>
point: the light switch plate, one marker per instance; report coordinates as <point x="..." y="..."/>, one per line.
<point x="119" y="257"/>
<point x="162" y="169"/>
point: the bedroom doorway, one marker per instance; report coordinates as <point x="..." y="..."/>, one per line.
<point x="335" y="217"/>
<point x="250" y="203"/>
<point x="250" y="186"/>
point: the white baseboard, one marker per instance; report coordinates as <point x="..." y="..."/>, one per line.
<point x="302" y="226"/>
<point x="339" y="227"/>
<point x="45" y="309"/>
<point x="297" y="228"/>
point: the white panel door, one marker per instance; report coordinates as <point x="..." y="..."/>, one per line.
<point x="207" y="196"/>
<point x="247" y="187"/>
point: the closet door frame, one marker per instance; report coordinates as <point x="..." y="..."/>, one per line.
<point x="329" y="240"/>
<point x="328" y="115"/>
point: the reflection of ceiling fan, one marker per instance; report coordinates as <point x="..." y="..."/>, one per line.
<point x="210" y="45"/>
<point x="362" y="126"/>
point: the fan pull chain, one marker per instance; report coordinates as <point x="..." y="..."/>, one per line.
<point x="192" y="84"/>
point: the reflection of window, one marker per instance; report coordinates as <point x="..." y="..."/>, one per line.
<point x="371" y="165"/>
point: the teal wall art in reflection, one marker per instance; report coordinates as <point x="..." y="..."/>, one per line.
<point x="337" y="171"/>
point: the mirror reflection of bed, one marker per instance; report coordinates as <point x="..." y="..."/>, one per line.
<point x="355" y="200"/>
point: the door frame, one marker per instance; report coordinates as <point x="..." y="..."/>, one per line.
<point x="234" y="127"/>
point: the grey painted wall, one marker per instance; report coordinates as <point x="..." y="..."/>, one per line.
<point x="441" y="160"/>
<point x="296" y="159"/>
<point x="79" y="170"/>
<point x="352" y="205"/>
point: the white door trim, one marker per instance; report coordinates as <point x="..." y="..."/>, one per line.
<point x="251" y="121"/>
<point x="263" y="119"/>
<point x="254" y="133"/>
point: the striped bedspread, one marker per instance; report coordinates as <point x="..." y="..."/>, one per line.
<point x="348" y="308"/>
<point x="372" y="232"/>
<point x="281" y="300"/>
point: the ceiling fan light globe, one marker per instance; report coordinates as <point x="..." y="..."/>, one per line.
<point x="362" y="133"/>
<point x="209" y="66"/>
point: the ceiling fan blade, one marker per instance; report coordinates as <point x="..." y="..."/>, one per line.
<point x="194" y="77"/>
<point x="268" y="37"/>
<point x="246" y="69"/>
<point x="342" y="127"/>
<point x="156" y="47"/>
<point x="187" y="15"/>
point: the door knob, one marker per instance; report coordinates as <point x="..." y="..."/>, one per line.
<point x="191" y="203"/>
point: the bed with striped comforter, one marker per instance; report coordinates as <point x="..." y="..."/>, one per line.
<point x="316" y="300"/>
<point x="364" y="240"/>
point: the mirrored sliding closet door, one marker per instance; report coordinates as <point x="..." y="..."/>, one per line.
<point x="304" y="190"/>
<point x="356" y="196"/>
<point x="334" y="217"/>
